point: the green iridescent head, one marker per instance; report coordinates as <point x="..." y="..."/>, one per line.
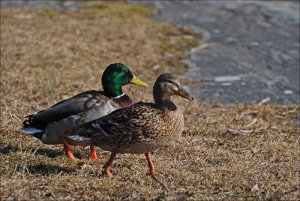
<point x="117" y="75"/>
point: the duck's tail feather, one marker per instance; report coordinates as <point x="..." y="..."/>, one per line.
<point x="38" y="133"/>
<point x="32" y="126"/>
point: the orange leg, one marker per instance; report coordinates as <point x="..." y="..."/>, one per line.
<point x="93" y="153"/>
<point x="150" y="164"/>
<point x="108" y="165"/>
<point x="68" y="148"/>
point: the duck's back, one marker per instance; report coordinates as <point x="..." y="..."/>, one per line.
<point x="80" y="103"/>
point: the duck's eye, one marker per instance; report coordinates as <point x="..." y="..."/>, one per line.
<point x="172" y="82"/>
<point x="126" y="71"/>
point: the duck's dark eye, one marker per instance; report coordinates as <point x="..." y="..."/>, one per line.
<point x="171" y="81"/>
<point x="174" y="82"/>
<point x="126" y="71"/>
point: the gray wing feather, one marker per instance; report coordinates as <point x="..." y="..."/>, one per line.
<point x="91" y="101"/>
<point x="72" y="113"/>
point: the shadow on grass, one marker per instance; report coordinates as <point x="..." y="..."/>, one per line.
<point x="39" y="151"/>
<point x="6" y="149"/>
<point x="46" y="170"/>
<point x="54" y="153"/>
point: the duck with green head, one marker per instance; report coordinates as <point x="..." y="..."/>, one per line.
<point x="51" y="125"/>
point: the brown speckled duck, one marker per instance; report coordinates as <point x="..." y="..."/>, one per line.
<point x="51" y="125"/>
<point x="140" y="128"/>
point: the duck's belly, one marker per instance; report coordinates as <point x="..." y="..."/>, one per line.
<point x="138" y="147"/>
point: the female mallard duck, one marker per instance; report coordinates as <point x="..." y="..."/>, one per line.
<point x="50" y="125"/>
<point x="140" y="128"/>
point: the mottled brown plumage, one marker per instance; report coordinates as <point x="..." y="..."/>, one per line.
<point x="140" y="128"/>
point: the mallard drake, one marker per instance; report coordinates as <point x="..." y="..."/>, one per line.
<point x="140" y="128"/>
<point x="50" y="125"/>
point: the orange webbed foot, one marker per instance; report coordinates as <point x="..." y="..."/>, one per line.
<point x="70" y="154"/>
<point x="150" y="164"/>
<point x="94" y="156"/>
<point x="108" y="166"/>
<point x="68" y="149"/>
<point x="106" y="171"/>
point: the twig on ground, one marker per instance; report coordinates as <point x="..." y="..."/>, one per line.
<point x="36" y="149"/>
<point x="200" y="47"/>
<point x="252" y="112"/>
<point x="252" y="123"/>
<point x="239" y="132"/>
<point x="290" y="111"/>
<point x="242" y="132"/>
<point x="264" y="101"/>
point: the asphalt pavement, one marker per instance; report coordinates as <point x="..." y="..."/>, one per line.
<point x="248" y="52"/>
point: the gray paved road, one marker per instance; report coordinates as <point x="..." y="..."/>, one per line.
<point x="253" y="48"/>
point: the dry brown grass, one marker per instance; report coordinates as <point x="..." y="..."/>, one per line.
<point x="247" y="151"/>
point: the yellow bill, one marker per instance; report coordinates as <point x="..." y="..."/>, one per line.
<point x="137" y="81"/>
